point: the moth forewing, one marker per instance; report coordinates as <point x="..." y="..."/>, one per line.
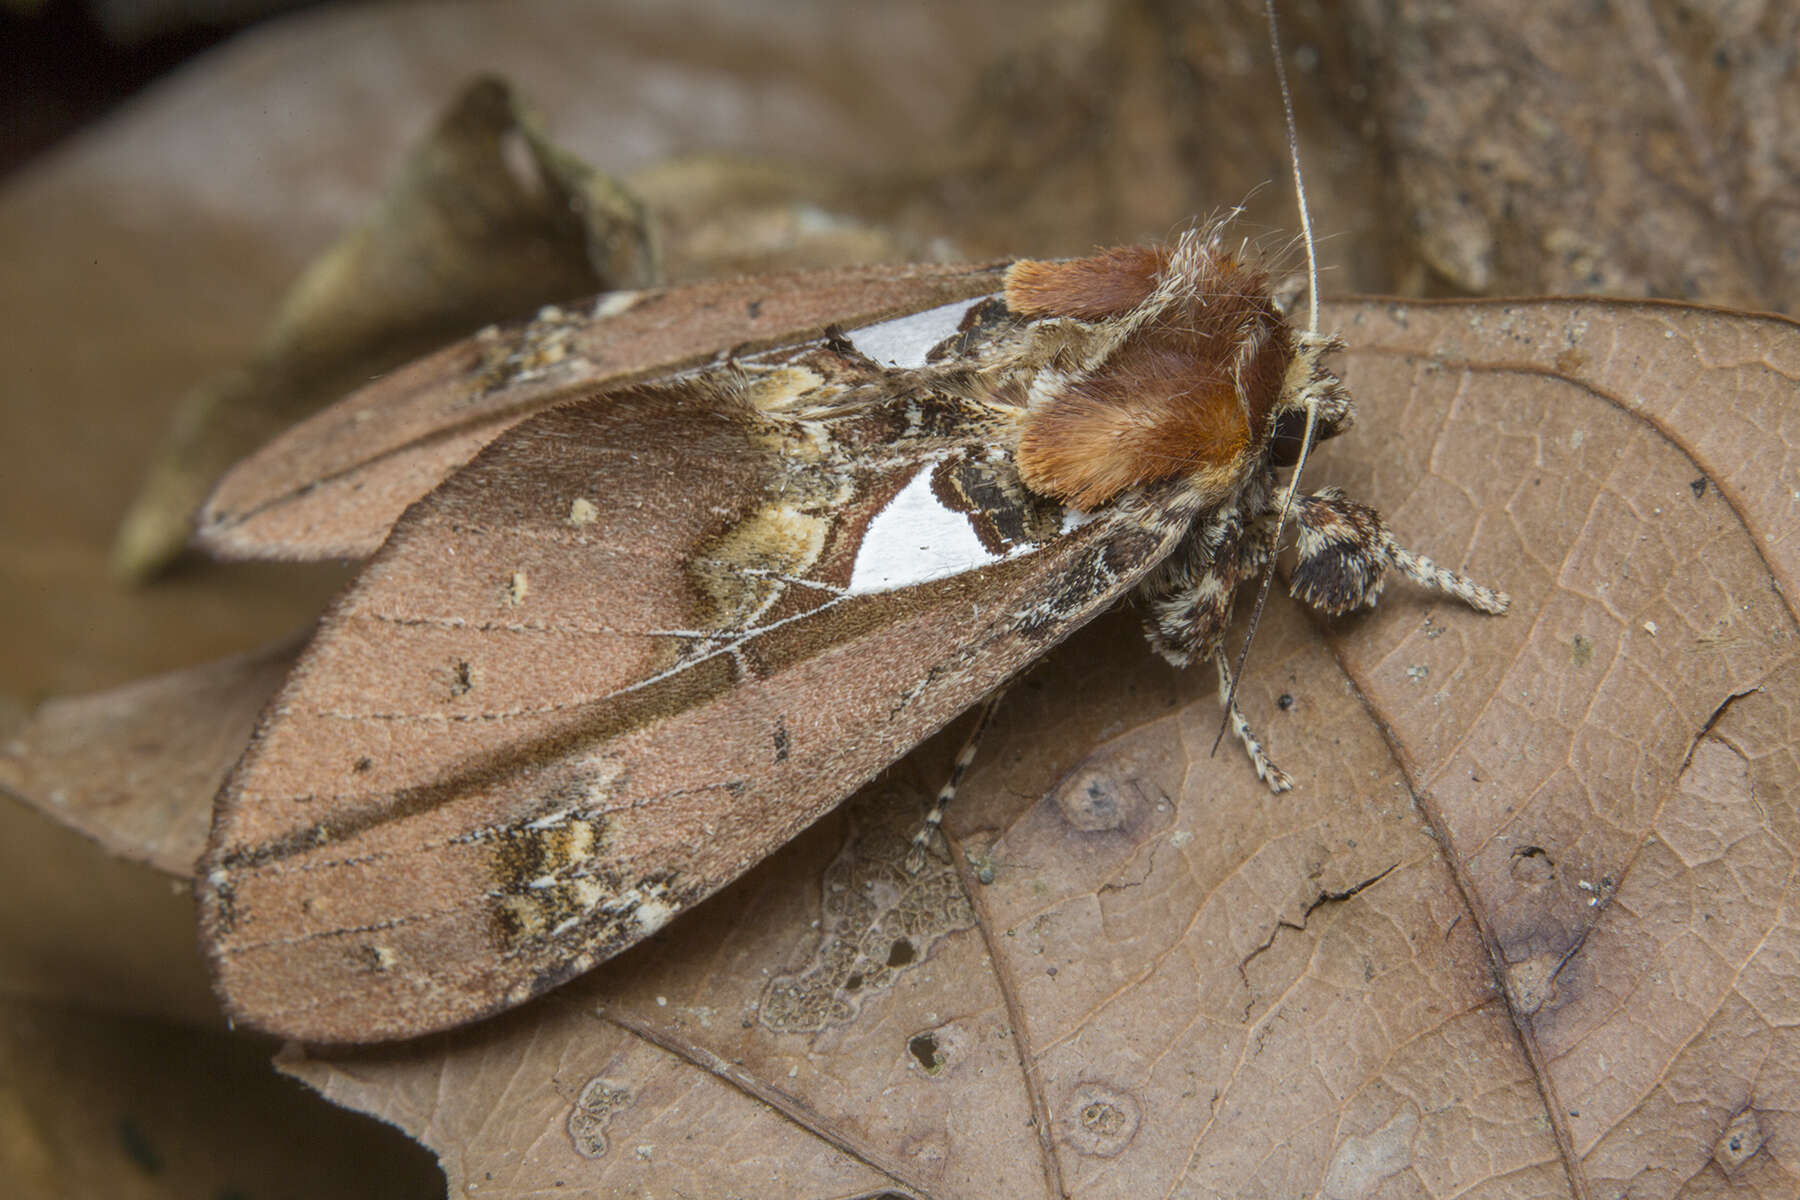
<point x="635" y="645"/>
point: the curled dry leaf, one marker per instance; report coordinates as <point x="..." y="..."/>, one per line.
<point x="470" y="232"/>
<point x="1525" y="928"/>
<point x="135" y="768"/>
<point x="104" y="920"/>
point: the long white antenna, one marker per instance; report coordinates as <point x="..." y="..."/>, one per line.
<point x="1287" y="107"/>
<point x="1312" y="407"/>
<point x="1312" y="299"/>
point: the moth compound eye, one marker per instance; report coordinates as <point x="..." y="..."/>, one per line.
<point x="1290" y="428"/>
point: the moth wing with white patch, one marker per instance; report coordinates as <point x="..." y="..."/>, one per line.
<point x="579" y="688"/>
<point x="333" y="485"/>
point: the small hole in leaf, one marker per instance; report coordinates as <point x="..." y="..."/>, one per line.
<point x="924" y="1047"/>
<point x="854" y="982"/>
<point x="900" y="953"/>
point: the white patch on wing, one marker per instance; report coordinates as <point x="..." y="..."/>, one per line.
<point x="903" y="341"/>
<point x="915" y="539"/>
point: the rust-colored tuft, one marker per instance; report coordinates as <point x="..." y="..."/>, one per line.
<point x="1187" y="395"/>
<point x="1149" y="413"/>
<point x="1108" y="284"/>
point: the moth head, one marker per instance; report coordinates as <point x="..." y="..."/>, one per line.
<point x="1309" y="384"/>
<point x="1187" y="365"/>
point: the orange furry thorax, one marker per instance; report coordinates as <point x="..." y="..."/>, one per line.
<point x="1186" y="393"/>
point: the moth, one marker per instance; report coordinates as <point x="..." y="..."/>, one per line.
<point x="642" y="639"/>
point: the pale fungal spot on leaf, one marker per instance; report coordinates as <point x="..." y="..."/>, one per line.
<point x="1094" y="800"/>
<point x="582" y="512"/>
<point x="1740" y="1141"/>
<point x="1360" y="1165"/>
<point x="1098" y="1120"/>
<point x="878" y="919"/>
<point x="592" y="1112"/>
<point x="1581" y="650"/>
<point x="514" y="591"/>
<point x="1532" y="983"/>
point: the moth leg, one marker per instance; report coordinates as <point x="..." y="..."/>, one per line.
<point x="1423" y="571"/>
<point x="1277" y="779"/>
<point x="915" y="856"/>
<point x="1178" y="621"/>
<point x="1190" y="599"/>
<point x="1344" y="549"/>
<point x="1189" y="596"/>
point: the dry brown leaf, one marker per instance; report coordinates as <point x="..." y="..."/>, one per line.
<point x="186" y="294"/>
<point x="1525" y="928"/>
<point x="719" y="216"/>
<point x="135" y="768"/>
<point x="105" y="803"/>
<point x="114" y="800"/>
<point x="1471" y="148"/>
